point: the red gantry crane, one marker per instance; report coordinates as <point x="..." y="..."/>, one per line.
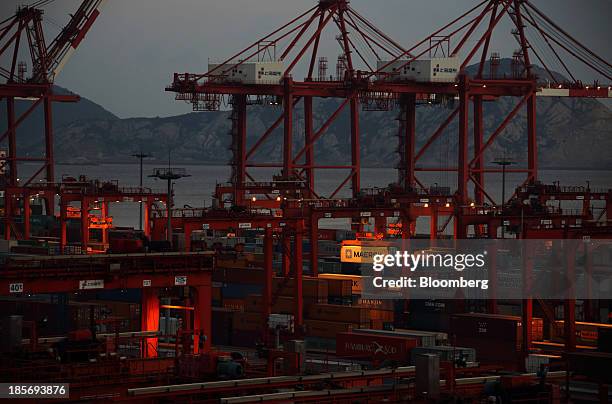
<point x="377" y="73"/>
<point x="22" y="38"/>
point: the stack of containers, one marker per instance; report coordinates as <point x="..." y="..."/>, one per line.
<point x="446" y="353"/>
<point x="423" y="338"/>
<point x="496" y="338"/>
<point x="377" y="348"/>
<point x="587" y="334"/>
<point x="222" y="320"/>
<point x="431" y="315"/>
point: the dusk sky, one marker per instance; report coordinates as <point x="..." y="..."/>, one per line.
<point x="134" y="47"/>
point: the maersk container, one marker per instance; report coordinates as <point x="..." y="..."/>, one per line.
<point x="248" y="72"/>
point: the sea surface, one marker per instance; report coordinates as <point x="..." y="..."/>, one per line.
<point x="197" y="190"/>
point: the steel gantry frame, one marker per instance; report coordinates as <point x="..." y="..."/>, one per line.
<point x="373" y="85"/>
<point x="149" y="272"/>
<point x="45" y="61"/>
<point x="298" y="166"/>
<point x="470" y="35"/>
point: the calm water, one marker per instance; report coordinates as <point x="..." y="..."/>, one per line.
<point x="196" y="191"/>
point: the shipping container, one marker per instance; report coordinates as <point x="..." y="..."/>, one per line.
<point x="246" y="338"/>
<point x="604" y="340"/>
<point x="378" y="347"/>
<point x="342" y="235"/>
<point x="378" y="304"/>
<point x="446" y="353"/>
<point x="240" y="290"/>
<point x="330" y="312"/>
<point x="281" y="322"/>
<point x="329" y="266"/>
<point x="534" y="362"/>
<point x="423" y="338"/>
<point x="494" y="326"/>
<point x="280" y="304"/>
<point x="434" y="70"/>
<point x="342" y="288"/>
<point x="328" y="248"/>
<point x="326" y="329"/>
<point x="216" y="293"/>
<point x="312" y="288"/>
<point x="234" y="304"/>
<point x="356" y="281"/>
<point x="221" y="326"/>
<point x="492" y="350"/>
<point x="268" y="72"/>
<point x="327" y="234"/>
<point x="429" y="321"/>
<point x="342" y="301"/>
<point x="320" y="344"/>
<point x="245" y="321"/>
<point x="235" y="275"/>
<point x="430" y="306"/>
<point x="587" y="334"/>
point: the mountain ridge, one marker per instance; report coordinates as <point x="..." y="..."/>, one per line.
<point x="571" y="132"/>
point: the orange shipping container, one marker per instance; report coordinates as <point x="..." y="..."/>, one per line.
<point x="356" y="281"/>
<point x="234" y="304"/>
<point x="339" y="287"/>
<point x="311" y="288"/>
<point x="385" y="316"/>
<point x="587" y="334"/>
<point x="281" y="304"/>
<point x="331" y="312"/>
<point x="379" y="304"/>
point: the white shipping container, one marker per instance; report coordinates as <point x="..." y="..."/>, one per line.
<point x="284" y="321"/>
<point x="249" y="72"/>
<point x="436" y="70"/>
<point x="225" y="241"/>
<point x="535" y="361"/>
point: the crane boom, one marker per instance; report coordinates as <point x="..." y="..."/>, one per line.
<point x="66" y="42"/>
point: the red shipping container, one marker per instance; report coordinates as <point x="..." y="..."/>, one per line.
<point x="376" y="347"/>
<point x="494" y="326"/>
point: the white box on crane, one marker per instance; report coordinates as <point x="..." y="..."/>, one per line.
<point x="248" y="72"/>
<point x="435" y="70"/>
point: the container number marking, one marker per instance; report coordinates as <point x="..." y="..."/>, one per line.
<point x="16" y="288"/>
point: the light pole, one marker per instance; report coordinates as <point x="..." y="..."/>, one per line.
<point x="503" y="162"/>
<point x="141" y="156"/>
<point x="169" y="174"/>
